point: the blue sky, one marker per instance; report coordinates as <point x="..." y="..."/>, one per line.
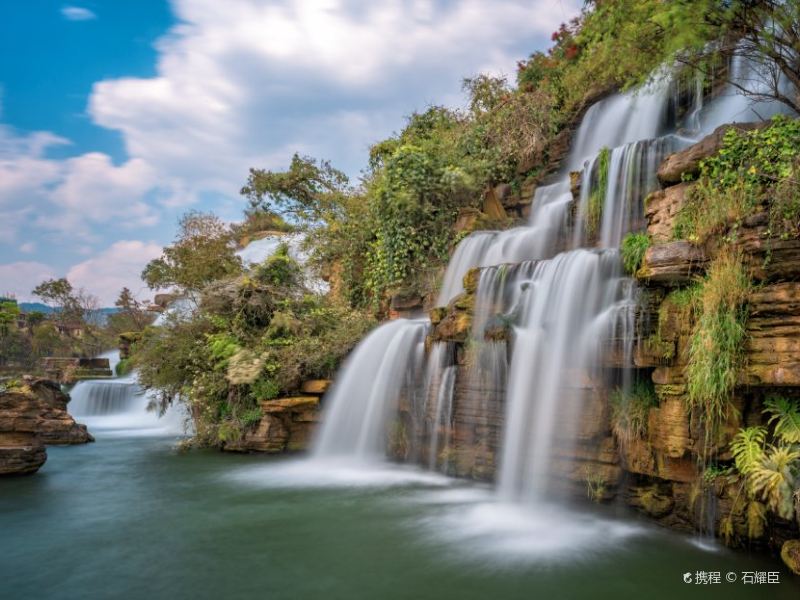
<point x="116" y="116"/>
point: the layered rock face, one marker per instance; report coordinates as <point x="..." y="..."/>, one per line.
<point x="657" y="473"/>
<point x="287" y="424"/>
<point x="33" y="415"/>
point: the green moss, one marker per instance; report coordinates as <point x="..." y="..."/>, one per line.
<point x="594" y="209"/>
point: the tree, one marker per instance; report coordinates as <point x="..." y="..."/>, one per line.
<point x="766" y="35"/>
<point x="202" y="252"/>
<point x="70" y="304"/>
<point x="309" y="190"/>
<point x="132" y="312"/>
<point x="9" y="311"/>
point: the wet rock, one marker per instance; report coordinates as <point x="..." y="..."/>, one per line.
<point x="467" y="220"/>
<point x="673" y="263"/>
<point x="21" y="453"/>
<point x="656" y="500"/>
<point x="790" y="554"/>
<point x="315" y="386"/>
<point x="39" y="407"/>
<point x="668" y="426"/>
<point x="493" y="200"/>
<point x="288" y="425"/>
<point x="404" y="304"/>
<point x="773" y="336"/>
<point x="686" y="163"/>
<point x="661" y="208"/>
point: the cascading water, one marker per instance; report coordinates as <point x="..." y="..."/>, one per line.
<point x="121" y="404"/>
<point x="368" y="387"/>
<point x="556" y="282"/>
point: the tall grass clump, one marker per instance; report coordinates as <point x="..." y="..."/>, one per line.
<point x="634" y="246"/>
<point x="716" y="346"/>
<point x="630" y="410"/>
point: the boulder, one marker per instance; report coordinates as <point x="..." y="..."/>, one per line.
<point x="39" y="408"/>
<point x="21" y="453"/>
<point x="686" y="163"/>
<point x="673" y="263"/>
<point x="790" y="553"/>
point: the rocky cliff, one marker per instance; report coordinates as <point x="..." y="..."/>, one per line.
<point x="34" y="414"/>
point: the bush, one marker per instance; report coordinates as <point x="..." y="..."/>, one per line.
<point x="751" y="169"/>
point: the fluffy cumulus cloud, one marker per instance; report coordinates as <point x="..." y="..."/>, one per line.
<point x="246" y="83"/>
<point x="77" y="13"/>
<point x="118" y="266"/>
<point x="72" y="195"/>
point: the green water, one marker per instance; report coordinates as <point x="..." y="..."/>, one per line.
<point x="127" y="517"/>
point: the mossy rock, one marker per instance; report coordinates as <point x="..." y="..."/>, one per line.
<point x="790" y="553"/>
<point x="437" y="314"/>
<point x="471" y="279"/>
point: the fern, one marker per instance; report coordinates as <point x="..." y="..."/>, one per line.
<point x="786" y="415"/>
<point x="774" y="477"/>
<point x="748" y="448"/>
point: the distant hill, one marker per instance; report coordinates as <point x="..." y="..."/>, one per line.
<point x="43" y="308"/>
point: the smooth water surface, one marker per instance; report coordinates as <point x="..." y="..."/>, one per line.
<point x="128" y="517"/>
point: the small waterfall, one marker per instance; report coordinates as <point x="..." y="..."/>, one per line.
<point x="362" y="402"/>
<point x="121" y="404"/>
<point x="441" y="425"/>
<point x="100" y="398"/>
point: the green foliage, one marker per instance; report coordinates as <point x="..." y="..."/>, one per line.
<point x="715" y="351"/>
<point x="9" y="312"/>
<point x="308" y="191"/>
<point x="618" y="44"/>
<point x="773" y="479"/>
<point x="747" y="448"/>
<point x="786" y="416"/>
<point x="784" y="212"/>
<point x="124" y="367"/>
<point x="630" y="410"/>
<point x="597" y="197"/>
<point x="279" y="269"/>
<point x="634" y="246"/>
<point x="751" y="168"/>
<point x="202" y="252"/>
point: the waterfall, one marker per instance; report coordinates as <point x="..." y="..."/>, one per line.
<point x="121" y="404"/>
<point x="360" y="405"/>
<point x="553" y="308"/>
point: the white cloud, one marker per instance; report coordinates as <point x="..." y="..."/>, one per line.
<point x="118" y="266"/>
<point x="73" y="195"/>
<point x="77" y="13"/>
<point x="19" y="278"/>
<point x="245" y="83"/>
<point x="27" y="247"/>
